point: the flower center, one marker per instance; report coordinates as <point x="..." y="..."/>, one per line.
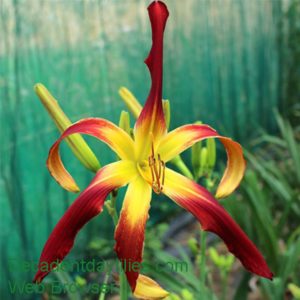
<point x="157" y="167"/>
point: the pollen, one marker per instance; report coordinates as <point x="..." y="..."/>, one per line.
<point x="157" y="167"/>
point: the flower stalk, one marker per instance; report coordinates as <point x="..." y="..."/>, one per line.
<point x="181" y="166"/>
<point x="103" y="292"/>
<point x="111" y="208"/>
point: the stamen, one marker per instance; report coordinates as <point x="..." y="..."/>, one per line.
<point x="159" y="163"/>
<point x="157" y="171"/>
<point x="163" y="174"/>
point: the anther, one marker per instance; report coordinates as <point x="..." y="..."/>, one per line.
<point x="157" y="168"/>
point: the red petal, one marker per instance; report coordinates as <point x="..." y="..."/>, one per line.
<point x="115" y="137"/>
<point x="129" y="234"/>
<point x="185" y="136"/>
<point x="213" y="217"/>
<point x="85" y="207"/>
<point x="151" y="119"/>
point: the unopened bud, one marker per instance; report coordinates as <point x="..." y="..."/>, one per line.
<point x="187" y="295"/>
<point x="295" y="290"/>
<point x="124" y="121"/>
<point x="214" y="256"/>
<point x="211" y="149"/>
<point x="196" y="152"/>
<point x="76" y="142"/>
<point x="167" y="112"/>
<point x="203" y="161"/>
<point x="223" y="262"/>
<point x="193" y="245"/>
<point x="131" y="102"/>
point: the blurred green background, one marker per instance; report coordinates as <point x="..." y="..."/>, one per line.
<point x="228" y="63"/>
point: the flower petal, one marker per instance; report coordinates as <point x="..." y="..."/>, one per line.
<point x="151" y="123"/>
<point x="129" y="234"/>
<point x="113" y="136"/>
<point x="147" y="288"/>
<point x="184" y="137"/>
<point x="213" y="217"/>
<point x="84" y="208"/>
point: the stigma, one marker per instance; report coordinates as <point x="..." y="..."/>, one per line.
<point x="157" y="167"/>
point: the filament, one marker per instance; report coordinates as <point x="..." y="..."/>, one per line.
<point x="157" y="168"/>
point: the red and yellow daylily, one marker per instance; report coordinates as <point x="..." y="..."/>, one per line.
<point x="142" y="166"/>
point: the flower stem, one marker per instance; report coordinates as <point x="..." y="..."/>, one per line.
<point x="111" y="208"/>
<point x="224" y="277"/>
<point x="182" y="167"/>
<point x="203" y="257"/>
<point x="103" y="292"/>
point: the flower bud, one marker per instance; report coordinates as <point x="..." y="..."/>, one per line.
<point x="131" y="102"/>
<point x="223" y="262"/>
<point x="214" y="256"/>
<point x="203" y="161"/>
<point x="193" y="245"/>
<point x="187" y="295"/>
<point x="124" y="121"/>
<point x="76" y="142"/>
<point x="167" y="112"/>
<point x="196" y="151"/>
<point x="211" y="149"/>
<point x="295" y="290"/>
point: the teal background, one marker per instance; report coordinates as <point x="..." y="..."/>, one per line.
<point x="227" y="63"/>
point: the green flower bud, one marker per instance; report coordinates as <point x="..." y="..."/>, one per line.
<point x="167" y="112"/>
<point x="295" y="290"/>
<point x="229" y="260"/>
<point x="214" y="256"/>
<point x="124" y="121"/>
<point x="223" y="262"/>
<point x="131" y="102"/>
<point x="80" y="280"/>
<point x="76" y="142"/>
<point x="203" y="161"/>
<point x="193" y="245"/>
<point x="211" y="148"/>
<point x="196" y="152"/>
<point x="187" y="295"/>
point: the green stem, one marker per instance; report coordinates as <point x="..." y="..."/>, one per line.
<point x="123" y="285"/>
<point x="111" y="207"/>
<point x="203" y="242"/>
<point x="182" y="167"/>
<point x="203" y="257"/>
<point x="103" y="291"/>
<point x="224" y="285"/>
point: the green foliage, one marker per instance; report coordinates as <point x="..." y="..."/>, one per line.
<point x="271" y="192"/>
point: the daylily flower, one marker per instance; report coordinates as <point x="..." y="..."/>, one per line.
<point x="143" y="167"/>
